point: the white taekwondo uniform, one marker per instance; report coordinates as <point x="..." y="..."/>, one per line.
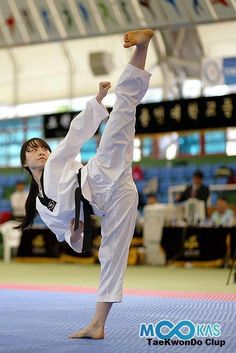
<point x="106" y="180"/>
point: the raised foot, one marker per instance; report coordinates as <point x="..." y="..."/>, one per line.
<point x="88" y="332"/>
<point x="140" y="37"/>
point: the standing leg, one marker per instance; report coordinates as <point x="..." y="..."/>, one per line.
<point x="115" y="144"/>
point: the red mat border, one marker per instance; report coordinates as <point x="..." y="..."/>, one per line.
<point x="135" y="292"/>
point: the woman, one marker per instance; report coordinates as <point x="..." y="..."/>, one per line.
<point x="106" y="180"/>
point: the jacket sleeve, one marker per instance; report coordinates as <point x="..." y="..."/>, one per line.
<point x="82" y="128"/>
<point x="185" y="194"/>
<point x="204" y="193"/>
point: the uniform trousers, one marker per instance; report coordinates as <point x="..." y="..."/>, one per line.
<point x="114" y="194"/>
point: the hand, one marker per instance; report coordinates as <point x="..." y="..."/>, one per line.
<point x="177" y="197"/>
<point x="103" y="89"/>
<point x="76" y="234"/>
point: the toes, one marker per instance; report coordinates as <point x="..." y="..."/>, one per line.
<point x="76" y="336"/>
<point x="126" y="37"/>
<point x="127" y="45"/>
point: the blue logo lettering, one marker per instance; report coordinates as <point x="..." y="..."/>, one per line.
<point x="175" y="330"/>
<point x="146" y="330"/>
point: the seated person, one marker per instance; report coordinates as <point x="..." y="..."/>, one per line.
<point x="223" y="215"/>
<point x="18" y="199"/>
<point x="151" y="199"/>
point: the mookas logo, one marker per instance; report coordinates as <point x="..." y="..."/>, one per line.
<point x="165" y="332"/>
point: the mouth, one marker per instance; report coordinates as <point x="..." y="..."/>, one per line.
<point x="42" y="158"/>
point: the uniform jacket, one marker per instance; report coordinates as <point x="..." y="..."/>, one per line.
<point x="61" y="168"/>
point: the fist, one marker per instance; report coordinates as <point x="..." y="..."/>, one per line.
<point x="104" y="87"/>
<point x="72" y="225"/>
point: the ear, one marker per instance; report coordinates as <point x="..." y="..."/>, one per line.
<point x="25" y="165"/>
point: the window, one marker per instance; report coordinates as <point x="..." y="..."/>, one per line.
<point x="88" y="150"/>
<point x="215" y="142"/>
<point x="190" y="144"/>
<point x="231" y="142"/>
<point x="147" y="147"/>
<point x="168" y="144"/>
<point x="13" y="132"/>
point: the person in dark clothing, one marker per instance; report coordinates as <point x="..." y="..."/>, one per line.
<point x="196" y="190"/>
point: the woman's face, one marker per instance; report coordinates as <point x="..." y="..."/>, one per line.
<point x="36" y="156"/>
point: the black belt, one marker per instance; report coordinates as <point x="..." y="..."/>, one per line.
<point x="88" y="211"/>
<point x="49" y="203"/>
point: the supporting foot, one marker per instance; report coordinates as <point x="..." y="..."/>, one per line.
<point x="138" y="38"/>
<point x="90" y="331"/>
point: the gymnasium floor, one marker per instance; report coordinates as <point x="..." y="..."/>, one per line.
<point x="41" y="304"/>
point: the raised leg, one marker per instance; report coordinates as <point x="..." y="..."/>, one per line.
<point x="115" y="152"/>
<point x="141" y="40"/>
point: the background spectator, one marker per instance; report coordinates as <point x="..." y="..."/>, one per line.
<point x="196" y="190"/>
<point x="17" y="199"/>
<point x="151" y="199"/>
<point x="223" y="215"/>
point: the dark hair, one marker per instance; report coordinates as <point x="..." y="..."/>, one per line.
<point x="151" y="195"/>
<point x="222" y="197"/>
<point x="198" y="174"/>
<point x="20" y="182"/>
<point x="30" y="204"/>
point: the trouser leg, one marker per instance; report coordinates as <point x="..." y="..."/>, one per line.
<point x="115" y="152"/>
<point x="117" y="231"/>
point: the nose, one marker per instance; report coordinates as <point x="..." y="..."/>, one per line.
<point x="41" y="152"/>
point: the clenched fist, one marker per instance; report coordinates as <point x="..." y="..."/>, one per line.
<point x="103" y="89"/>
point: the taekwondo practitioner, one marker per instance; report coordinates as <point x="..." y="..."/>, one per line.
<point x="63" y="191"/>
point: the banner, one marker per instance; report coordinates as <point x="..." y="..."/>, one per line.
<point x="47" y="19"/>
<point x="229" y="69"/>
<point x="153" y="13"/>
<point x="57" y="125"/>
<point x="37" y="21"/>
<point x="186" y="114"/>
<point x="224" y="9"/>
<point x="68" y="18"/>
<point x="198" y="10"/>
<point x="28" y="21"/>
<point x="167" y="116"/>
<point x="2" y="36"/>
<point x="128" y="14"/>
<point x="218" y="71"/>
<point x="195" y="243"/>
<point x="85" y="12"/>
<point x="212" y="72"/>
<point x="175" y="11"/>
<point x="11" y="23"/>
<point x="107" y="15"/>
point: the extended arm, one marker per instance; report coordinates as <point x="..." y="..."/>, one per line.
<point x="184" y="195"/>
<point x="82" y="127"/>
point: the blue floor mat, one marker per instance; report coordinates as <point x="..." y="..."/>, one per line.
<point x="39" y="322"/>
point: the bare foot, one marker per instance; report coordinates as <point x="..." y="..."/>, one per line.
<point x="89" y="331"/>
<point x="139" y="38"/>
